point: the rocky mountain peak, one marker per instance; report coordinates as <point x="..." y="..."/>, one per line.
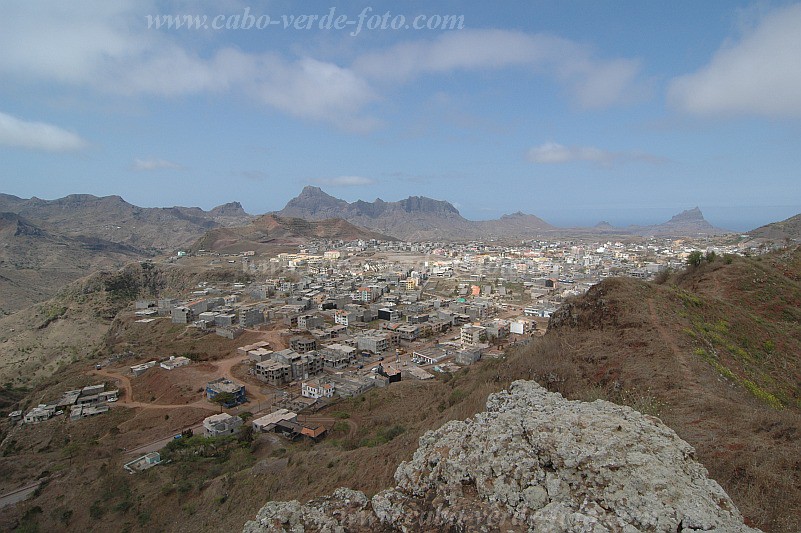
<point x="532" y="461"/>
<point x="693" y="215"/>
<point x="229" y="209"/>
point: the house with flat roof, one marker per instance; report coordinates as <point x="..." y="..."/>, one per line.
<point x="148" y="460"/>
<point x="429" y="356"/>
<point x="338" y="355"/>
<point x="273" y="372"/>
<point x="175" y="362"/>
<point x="220" y="425"/>
<point x="269" y="421"/>
<point x="223" y="385"/>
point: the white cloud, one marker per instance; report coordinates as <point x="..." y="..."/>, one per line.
<point x="318" y="90"/>
<point x="759" y="74"/>
<point x="551" y="152"/>
<point x="37" y="135"/>
<point x="107" y="46"/>
<point x="554" y="153"/>
<point x="150" y="164"/>
<point x="345" y="181"/>
<point x="593" y="82"/>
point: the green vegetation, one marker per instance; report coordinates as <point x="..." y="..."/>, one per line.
<point x="695" y="258"/>
<point x="383" y="436"/>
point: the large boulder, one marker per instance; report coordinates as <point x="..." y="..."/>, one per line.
<point x="532" y="461"/>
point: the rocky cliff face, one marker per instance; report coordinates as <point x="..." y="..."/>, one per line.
<point x="533" y="461"/>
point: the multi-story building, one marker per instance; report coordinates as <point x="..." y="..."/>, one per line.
<point x="374" y="342"/>
<point x="338" y="355"/>
<point x="309" y="322"/>
<point x="250" y="317"/>
<point x="472" y="334"/>
<point x="303" y="344"/>
<point x="182" y="315"/>
<point x="273" y="372"/>
<point x="342" y="317"/>
<point x="302" y="365"/>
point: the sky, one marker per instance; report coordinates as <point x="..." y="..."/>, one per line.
<point x="576" y="111"/>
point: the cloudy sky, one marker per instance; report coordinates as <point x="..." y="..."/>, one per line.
<point x="625" y="111"/>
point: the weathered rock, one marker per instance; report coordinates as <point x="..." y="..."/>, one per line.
<point x="533" y="461"/>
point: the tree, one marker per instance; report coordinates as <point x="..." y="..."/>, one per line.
<point x="711" y="256"/>
<point x="695" y="258"/>
<point x="223" y="398"/>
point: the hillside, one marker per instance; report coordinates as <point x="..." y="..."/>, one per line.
<point x="267" y="232"/>
<point x="789" y="229"/>
<point x="111" y="218"/>
<point x="71" y="327"/>
<point x="716" y="353"/>
<point x="45" y="244"/>
<point x="35" y="263"/>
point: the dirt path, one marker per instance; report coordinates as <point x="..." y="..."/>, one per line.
<point x="125" y="383"/>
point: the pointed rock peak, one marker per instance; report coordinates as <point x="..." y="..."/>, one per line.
<point x="231" y="208"/>
<point x="689" y="215"/>
<point x="603" y="224"/>
<point x="311" y="190"/>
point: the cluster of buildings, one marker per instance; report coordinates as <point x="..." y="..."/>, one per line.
<point x="88" y="401"/>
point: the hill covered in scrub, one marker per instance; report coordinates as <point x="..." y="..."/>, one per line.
<point x="715" y="351"/>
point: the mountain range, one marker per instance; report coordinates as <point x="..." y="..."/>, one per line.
<point x="45" y="244"/>
<point x="149" y="229"/>
<point x="421" y="218"/>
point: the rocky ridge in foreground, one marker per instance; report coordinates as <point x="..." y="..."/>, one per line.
<point x="532" y="461"/>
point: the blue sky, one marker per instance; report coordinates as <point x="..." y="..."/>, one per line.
<point x="625" y="111"/>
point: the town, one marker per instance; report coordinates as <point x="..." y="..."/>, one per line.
<point x="334" y="319"/>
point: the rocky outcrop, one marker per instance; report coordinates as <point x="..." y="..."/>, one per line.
<point x="532" y="462"/>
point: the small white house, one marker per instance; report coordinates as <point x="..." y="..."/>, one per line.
<point x="316" y="389"/>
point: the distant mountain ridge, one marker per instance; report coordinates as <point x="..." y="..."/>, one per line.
<point x="113" y="219"/>
<point x="35" y="262"/>
<point x="45" y="244"/>
<point x="422" y="218"/>
<point x="414" y="218"/>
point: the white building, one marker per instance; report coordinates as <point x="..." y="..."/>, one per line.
<point x="472" y="334"/>
<point x="342" y="317"/>
<point x="221" y="424"/>
<point x="316" y="389"/>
